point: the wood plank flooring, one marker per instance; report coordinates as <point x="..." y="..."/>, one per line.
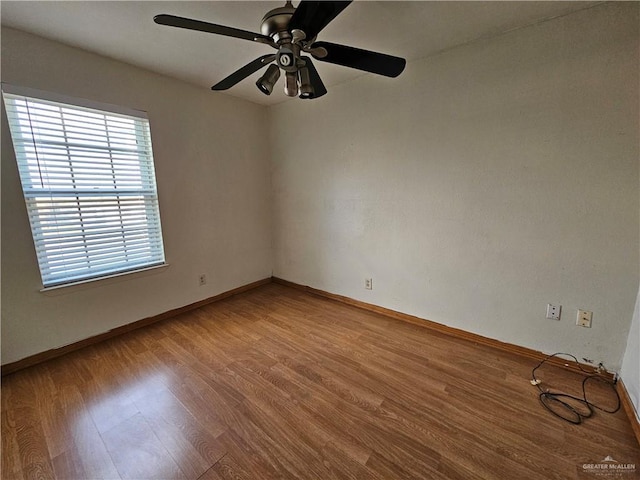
<point x="276" y="383"/>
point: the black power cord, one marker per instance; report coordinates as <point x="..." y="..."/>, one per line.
<point x="572" y="413"/>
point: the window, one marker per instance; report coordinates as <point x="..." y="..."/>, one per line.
<point x="89" y="184"/>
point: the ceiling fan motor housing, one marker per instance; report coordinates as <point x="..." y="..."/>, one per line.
<point x="275" y="22"/>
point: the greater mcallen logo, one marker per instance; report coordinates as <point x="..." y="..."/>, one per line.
<point x="609" y="467"/>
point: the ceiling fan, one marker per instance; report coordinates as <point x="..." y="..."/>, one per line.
<point x="292" y="32"/>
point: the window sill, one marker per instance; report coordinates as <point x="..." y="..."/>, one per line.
<point x="99" y="280"/>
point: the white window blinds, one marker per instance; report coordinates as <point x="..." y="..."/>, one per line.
<point x="89" y="185"/>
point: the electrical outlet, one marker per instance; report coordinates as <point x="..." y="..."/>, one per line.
<point x="584" y="318"/>
<point x="368" y="283"/>
<point x="553" y="311"/>
<point x="202" y="279"/>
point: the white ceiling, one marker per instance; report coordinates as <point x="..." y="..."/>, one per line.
<point x="124" y="30"/>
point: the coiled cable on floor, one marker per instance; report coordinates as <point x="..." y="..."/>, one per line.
<point x="583" y="408"/>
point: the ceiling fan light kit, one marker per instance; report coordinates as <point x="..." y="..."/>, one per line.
<point x="293" y="31"/>
<point x="304" y="81"/>
<point x="267" y="81"/>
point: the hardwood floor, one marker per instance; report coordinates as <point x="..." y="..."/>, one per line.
<point x="276" y="383"/>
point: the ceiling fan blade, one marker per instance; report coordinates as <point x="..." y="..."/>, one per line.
<point x="180" y="22"/>
<point x="312" y="17"/>
<point x="244" y="72"/>
<point x="373" y="62"/>
<point x="316" y="82"/>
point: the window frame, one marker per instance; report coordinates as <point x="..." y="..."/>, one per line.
<point x="147" y="203"/>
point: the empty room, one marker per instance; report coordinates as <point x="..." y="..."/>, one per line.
<point x="320" y="240"/>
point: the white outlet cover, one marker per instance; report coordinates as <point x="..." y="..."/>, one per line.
<point x="553" y="311"/>
<point x="583" y="318"/>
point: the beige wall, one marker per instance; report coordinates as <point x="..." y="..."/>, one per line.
<point x="212" y="168"/>
<point x="482" y="184"/>
<point x="630" y="372"/>
<point x="474" y="189"/>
